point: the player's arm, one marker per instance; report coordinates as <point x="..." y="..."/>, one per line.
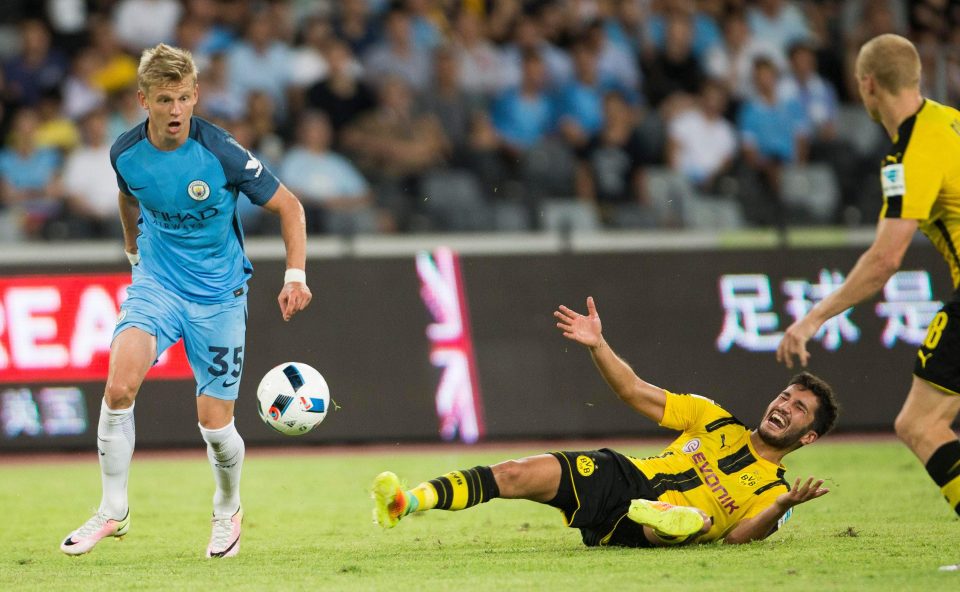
<point x="646" y="398"/>
<point x="129" y="214"/>
<point x="761" y="526"/>
<point x="295" y="295"/>
<point x="870" y="273"/>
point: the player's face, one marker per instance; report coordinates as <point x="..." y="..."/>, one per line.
<point x="788" y="418"/>
<point x="169" y="108"/>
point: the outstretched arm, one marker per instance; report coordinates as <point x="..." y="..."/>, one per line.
<point x="761" y="525"/>
<point x="871" y="272"/>
<point x="646" y="398"/>
<point x="295" y="295"/>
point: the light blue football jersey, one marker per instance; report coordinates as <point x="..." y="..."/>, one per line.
<point x="191" y="240"/>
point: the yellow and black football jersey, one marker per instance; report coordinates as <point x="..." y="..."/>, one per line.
<point x="920" y="177"/>
<point x="712" y="465"/>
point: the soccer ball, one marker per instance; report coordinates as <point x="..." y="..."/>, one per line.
<point x="293" y="398"/>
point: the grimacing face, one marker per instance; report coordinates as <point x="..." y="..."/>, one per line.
<point x="789" y="417"/>
<point x="169" y="109"/>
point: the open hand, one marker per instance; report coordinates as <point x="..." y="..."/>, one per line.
<point x="802" y="493"/>
<point x="582" y="329"/>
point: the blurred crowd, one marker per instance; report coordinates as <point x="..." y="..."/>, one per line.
<point x="473" y="115"/>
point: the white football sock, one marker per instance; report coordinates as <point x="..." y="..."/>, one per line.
<point x="225" y="450"/>
<point x="116" y="435"/>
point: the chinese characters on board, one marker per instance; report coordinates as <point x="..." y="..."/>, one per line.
<point x="751" y="321"/>
<point x="59" y="411"/>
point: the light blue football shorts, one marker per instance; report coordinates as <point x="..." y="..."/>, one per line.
<point x="213" y="334"/>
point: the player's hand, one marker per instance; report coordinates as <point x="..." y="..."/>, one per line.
<point x="707" y="523"/>
<point x="800" y="493"/>
<point x="586" y="330"/>
<point x="294" y="297"/>
<point x="794" y="343"/>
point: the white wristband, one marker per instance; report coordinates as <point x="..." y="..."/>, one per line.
<point x="133" y="258"/>
<point x="295" y="275"/>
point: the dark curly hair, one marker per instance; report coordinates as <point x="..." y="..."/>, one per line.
<point x="825" y="417"/>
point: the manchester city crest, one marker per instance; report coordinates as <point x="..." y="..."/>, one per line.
<point x="198" y="190"/>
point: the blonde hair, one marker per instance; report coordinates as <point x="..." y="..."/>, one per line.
<point x="892" y="60"/>
<point x="163" y="64"/>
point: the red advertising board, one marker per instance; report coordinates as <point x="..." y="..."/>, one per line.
<point x="57" y="328"/>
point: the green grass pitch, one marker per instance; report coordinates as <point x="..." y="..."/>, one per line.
<point x="308" y="527"/>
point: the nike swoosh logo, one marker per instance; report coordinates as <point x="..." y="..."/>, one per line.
<point x="229" y="384"/>
<point x="138" y="188"/>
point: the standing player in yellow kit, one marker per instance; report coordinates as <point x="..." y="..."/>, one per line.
<point x="920" y="176"/>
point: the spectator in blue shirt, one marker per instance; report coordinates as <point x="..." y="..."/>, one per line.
<point x="335" y="196"/>
<point x="29" y="179"/>
<point x="818" y="98"/>
<point x="523" y="116"/>
<point x="773" y="132"/>
<point x="805" y="85"/>
<point x="260" y="62"/>
<point x="580" y="101"/>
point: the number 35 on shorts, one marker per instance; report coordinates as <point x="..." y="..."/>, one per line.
<point x="226" y="362"/>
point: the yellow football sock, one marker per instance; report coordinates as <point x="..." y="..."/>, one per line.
<point x="457" y="490"/>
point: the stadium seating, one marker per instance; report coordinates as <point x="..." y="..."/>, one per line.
<point x="569" y="215"/>
<point x="812" y="189"/>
